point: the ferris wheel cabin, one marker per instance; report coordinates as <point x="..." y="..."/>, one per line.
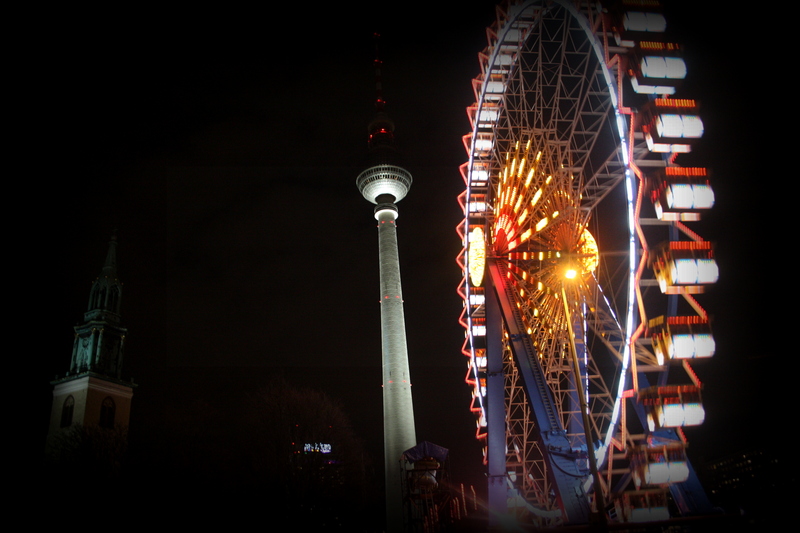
<point x="671" y="125"/>
<point x="680" y="193"/>
<point x="681" y="337"/>
<point x="684" y="267"/>
<point x="672" y="406"/>
<point x="659" y="465"/>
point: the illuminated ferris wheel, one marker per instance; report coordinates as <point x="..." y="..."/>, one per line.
<point x="580" y="274"/>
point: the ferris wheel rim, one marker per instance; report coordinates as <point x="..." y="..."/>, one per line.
<point x="630" y="187"/>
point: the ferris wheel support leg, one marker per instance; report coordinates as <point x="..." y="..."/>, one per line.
<point x="562" y="462"/>
<point x="600" y="504"/>
<point x="495" y="418"/>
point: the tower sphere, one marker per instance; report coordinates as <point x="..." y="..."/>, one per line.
<point x="382" y="180"/>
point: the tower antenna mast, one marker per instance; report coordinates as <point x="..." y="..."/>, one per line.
<point x="379" y="101"/>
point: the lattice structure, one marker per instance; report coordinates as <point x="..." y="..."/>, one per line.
<point x="559" y="268"/>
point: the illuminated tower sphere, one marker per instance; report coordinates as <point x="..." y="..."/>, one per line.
<point x="384" y="183"/>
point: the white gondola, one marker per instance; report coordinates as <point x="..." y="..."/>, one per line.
<point x="684" y="266"/>
<point x="647" y="505"/>
<point x="671" y="125"/>
<point x="681" y="193"/>
<point x="659" y="465"/>
<point x="672" y="406"/>
<point x="681" y="337"/>
<point x="656" y="67"/>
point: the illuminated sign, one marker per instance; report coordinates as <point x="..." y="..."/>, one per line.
<point x="316" y="447"/>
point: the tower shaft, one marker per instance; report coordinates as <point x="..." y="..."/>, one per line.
<point x="398" y="412"/>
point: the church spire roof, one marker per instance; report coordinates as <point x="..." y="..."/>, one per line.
<point x="99" y="342"/>
<point x="106" y="293"/>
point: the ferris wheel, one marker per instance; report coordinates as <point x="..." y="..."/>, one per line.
<point x="580" y="273"/>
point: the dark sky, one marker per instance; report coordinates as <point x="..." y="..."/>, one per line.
<point x="223" y="148"/>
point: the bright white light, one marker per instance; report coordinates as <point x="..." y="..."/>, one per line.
<point x="651" y="89"/>
<point x="685" y="272"/>
<point x="688" y="196"/>
<point x="483" y="145"/>
<point x="679" y="126"/>
<point x="703" y="196"/>
<point x="504" y="59"/>
<point x="479" y="176"/>
<point x="663" y="67"/>
<point x="669" y="126"/>
<point x="665" y="147"/>
<point x="694" y="271"/>
<point x="704" y="345"/>
<point x="477" y="207"/>
<point x="707" y="271"/>
<point x="682" y="344"/>
<point x="667" y="472"/>
<point x="379" y="213"/>
<point x="488" y="115"/>
<point x="317" y="447"/>
<point x="691" y="345"/>
<point x="494" y="90"/>
<point x="676" y="415"/>
<point x="477" y="299"/>
<point x="680" y="196"/>
<point x="692" y="126"/>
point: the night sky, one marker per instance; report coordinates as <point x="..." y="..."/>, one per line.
<point x="223" y="149"/>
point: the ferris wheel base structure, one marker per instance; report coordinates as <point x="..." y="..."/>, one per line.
<point x="689" y="496"/>
<point x="567" y="476"/>
<point x="574" y="355"/>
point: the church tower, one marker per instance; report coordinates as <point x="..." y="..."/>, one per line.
<point x="92" y="393"/>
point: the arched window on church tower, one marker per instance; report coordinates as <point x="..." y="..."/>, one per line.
<point x="113" y="300"/>
<point x="107" y="411"/>
<point x="66" y="411"/>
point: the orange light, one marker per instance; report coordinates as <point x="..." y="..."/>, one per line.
<point x="653" y="45"/>
<point x="674" y="102"/>
<point x="685" y="171"/>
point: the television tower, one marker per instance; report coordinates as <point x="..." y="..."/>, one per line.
<point x="384" y="183"/>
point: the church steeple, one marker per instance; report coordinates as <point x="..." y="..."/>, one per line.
<point x="106" y="293"/>
<point x="100" y="340"/>
<point x="93" y="393"/>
